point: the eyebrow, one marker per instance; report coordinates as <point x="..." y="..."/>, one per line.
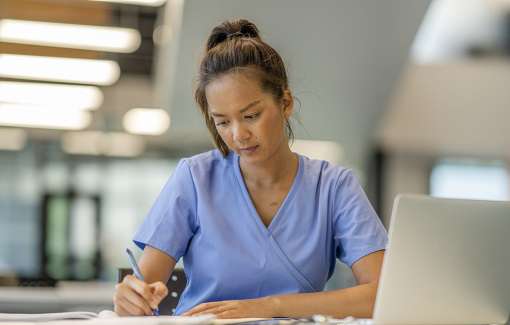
<point x="247" y="107"/>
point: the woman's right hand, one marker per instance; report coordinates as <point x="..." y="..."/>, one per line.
<point x="134" y="297"/>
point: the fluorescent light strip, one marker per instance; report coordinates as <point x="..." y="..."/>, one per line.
<point x="151" y="3"/>
<point x="99" y="72"/>
<point x="82" y="143"/>
<point x="51" y="95"/>
<point x="12" y="139"/>
<point x="146" y="121"/>
<point x="86" y="37"/>
<point x="38" y="117"/>
<point x="114" y="144"/>
<point x="123" y="145"/>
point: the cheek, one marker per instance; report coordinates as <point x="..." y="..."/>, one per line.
<point x="225" y="135"/>
<point x="273" y="126"/>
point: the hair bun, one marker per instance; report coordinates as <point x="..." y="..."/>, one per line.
<point x="232" y="29"/>
<point x="248" y="29"/>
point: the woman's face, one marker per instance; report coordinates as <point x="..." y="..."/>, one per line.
<point x="248" y="119"/>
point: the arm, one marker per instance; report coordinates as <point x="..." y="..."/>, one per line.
<point x="170" y="225"/>
<point x="156" y="265"/>
<point x="136" y="297"/>
<point x="357" y="301"/>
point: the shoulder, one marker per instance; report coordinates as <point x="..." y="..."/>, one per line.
<point x="209" y="159"/>
<point x="207" y="163"/>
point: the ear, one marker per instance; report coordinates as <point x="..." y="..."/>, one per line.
<point x="288" y="103"/>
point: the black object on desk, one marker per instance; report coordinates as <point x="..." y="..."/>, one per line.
<point x="21" y="281"/>
<point x="36" y="282"/>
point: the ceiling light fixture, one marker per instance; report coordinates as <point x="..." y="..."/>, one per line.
<point x="120" y="144"/>
<point x="40" y="117"/>
<point x="151" y="3"/>
<point x="86" y="37"/>
<point x="146" y="121"/>
<point x="87" y="71"/>
<point x="114" y="144"/>
<point x="51" y="95"/>
<point x="82" y="143"/>
<point x="12" y="139"/>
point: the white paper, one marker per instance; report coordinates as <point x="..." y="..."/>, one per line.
<point x="46" y="317"/>
<point x="106" y="317"/>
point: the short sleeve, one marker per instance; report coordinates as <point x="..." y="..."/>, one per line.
<point x="171" y="222"/>
<point x="358" y="231"/>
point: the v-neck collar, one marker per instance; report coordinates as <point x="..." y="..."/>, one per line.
<point x="251" y="207"/>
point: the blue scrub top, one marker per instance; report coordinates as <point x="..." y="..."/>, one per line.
<point x="205" y="215"/>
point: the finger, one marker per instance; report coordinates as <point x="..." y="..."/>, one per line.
<point x="117" y="301"/>
<point x="120" y="311"/>
<point x="229" y="313"/>
<point x="237" y="311"/>
<point x="135" y="299"/>
<point x="159" y="291"/>
<point x="142" y="288"/>
<point x="214" y="310"/>
<point x="142" y="308"/>
<point x="125" y="308"/>
<point x="202" y="307"/>
<point x="225" y="314"/>
<point x="196" y="309"/>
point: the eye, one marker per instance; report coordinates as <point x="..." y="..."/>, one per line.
<point x="221" y="123"/>
<point x="252" y="116"/>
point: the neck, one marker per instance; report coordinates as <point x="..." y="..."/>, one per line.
<point x="277" y="169"/>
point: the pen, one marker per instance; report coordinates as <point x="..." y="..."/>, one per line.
<point x="138" y="273"/>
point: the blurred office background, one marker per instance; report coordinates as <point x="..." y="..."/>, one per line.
<point x="96" y="109"/>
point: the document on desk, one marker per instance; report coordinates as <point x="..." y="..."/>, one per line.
<point x="103" y="318"/>
<point x="5" y="317"/>
<point x="140" y="320"/>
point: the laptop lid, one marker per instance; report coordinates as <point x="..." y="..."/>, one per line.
<point x="447" y="262"/>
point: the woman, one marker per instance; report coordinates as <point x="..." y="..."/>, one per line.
<point x="259" y="227"/>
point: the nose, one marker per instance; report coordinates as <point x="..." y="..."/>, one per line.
<point x="240" y="133"/>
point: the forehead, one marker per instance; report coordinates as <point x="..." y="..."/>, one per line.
<point x="232" y="92"/>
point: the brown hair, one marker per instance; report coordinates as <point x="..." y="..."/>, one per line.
<point x="235" y="45"/>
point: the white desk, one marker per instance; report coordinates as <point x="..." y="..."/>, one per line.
<point x="67" y="296"/>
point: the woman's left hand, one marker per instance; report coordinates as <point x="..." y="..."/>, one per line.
<point x="260" y="307"/>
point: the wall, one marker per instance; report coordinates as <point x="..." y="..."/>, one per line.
<point x="343" y="58"/>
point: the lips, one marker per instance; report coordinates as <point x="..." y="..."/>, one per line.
<point x="249" y="149"/>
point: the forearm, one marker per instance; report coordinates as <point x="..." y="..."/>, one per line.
<point x="356" y="301"/>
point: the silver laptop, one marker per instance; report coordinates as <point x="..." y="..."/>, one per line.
<point x="447" y="262"/>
